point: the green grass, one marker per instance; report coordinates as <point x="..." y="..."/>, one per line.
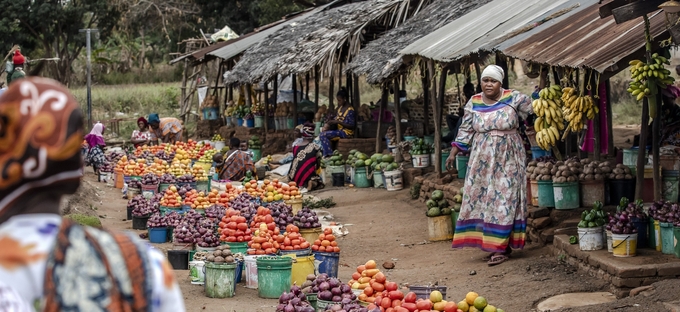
<point x="85" y="220"/>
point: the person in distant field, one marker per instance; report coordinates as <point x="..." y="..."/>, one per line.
<point x="95" y="147"/>
<point x="235" y="163"/>
<point x="165" y="130"/>
<point x="50" y="263"/>
<point x="141" y="136"/>
<point x="18" y="61"/>
<point x="345" y="121"/>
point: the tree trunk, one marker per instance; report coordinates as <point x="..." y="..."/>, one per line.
<point x="141" y="52"/>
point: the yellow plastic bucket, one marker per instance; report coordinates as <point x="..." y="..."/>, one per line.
<point x="295" y="204"/>
<point x="312" y="234"/>
<point x="625" y="245"/>
<point x="657" y="235"/>
<point x="302" y="267"/>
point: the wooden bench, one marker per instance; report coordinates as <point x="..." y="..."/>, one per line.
<point x="366" y="146"/>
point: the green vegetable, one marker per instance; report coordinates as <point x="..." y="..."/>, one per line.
<point x="431" y="203"/>
<point x="573" y="240"/>
<point x="433" y="212"/>
<point x="443" y="203"/>
<point x="446" y="211"/>
<point x="583" y="224"/>
<point x="437" y="195"/>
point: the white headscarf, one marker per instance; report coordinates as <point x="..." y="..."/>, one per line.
<point x="494" y="72"/>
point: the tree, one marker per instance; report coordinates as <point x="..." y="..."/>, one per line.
<point x="52" y="26"/>
<point x="273" y="10"/>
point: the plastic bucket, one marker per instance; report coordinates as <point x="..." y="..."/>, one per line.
<point x="162" y="187"/>
<point x="203" y="186"/>
<point x="139" y="223"/>
<point x="257" y="154"/>
<point x="118" y="180"/>
<point x="537" y="152"/>
<point x="295" y="204"/>
<point x="360" y="178"/>
<point x="461" y="165"/>
<point x="327" y="262"/>
<point x="158" y="235"/>
<point x="336" y="169"/>
<point x="321" y="305"/>
<point x="297" y="253"/>
<point x="378" y="179"/>
<point x="566" y="195"/>
<point x="676" y="241"/>
<point x="220" y="280"/>
<point x="546" y="196"/>
<point x="197" y="272"/>
<point x="393" y="180"/>
<point x="410" y="138"/>
<point x="590" y="238"/>
<point x="657" y="235"/>
<point x="312" y="300"/>
<point x="630" y="156"/>
<point x="428" y="139"/>
<point x="534" y="193"/>
<point x="129" y="213"/>
<point x="439" y="228"/>
<point x="651" y="234"/>
<point x="642" y="231"/>
<point x="454" y="219"/>
<point x="667" y="238"/>
<point x="238" y="273"/>
<point x="290" y="122"/>
<point x="423" y="292"/>
<point x="420" y="161"/>
<point x="591" y="192"/>
<point x="274" y="275"/>
<point x="312" y="234"/>
<point x="621" y="188"/>
<point x="250" y="264"/>
<point x="610" y="247"/>
<point x="669" y="187"/>
<point x="259" y="121"/>
<point x="624" y="245"/>
<point x="250" y="123"/>
<point x="239" y="122"/>
<point x="219" y="145"/>
<point x="179" y="259"/>
<point x="338" y="179"/>
<point x="445" y="156"/>
<point x="302" y="267"/>
<point x="317" y="128"/>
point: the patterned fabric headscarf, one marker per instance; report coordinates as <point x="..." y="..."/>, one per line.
<point x="154" y="119"/>
<point x="308" y="130"/>
<point x="96" y="137"/>
<point x="41" y="129"/>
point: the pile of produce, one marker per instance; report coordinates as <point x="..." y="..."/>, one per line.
<point x="158" y="167"/>
<point x="665" y="212"/>
<point x="306" y="219"/>
<point x="350" y="306"/>
<point x="193" y="217"/>
<point x="115" y="156"/>
<point x="622" y="221"/>
<point x="215" y="211"/>
<point x="165" y="156"/>
<point x="217" y="138"/>
<point x="576" y="107"/>
<point x="244" y="203"/>
<point x="382" y="162"/>
<point x="254" y="143"/>
<point x="187" y="178"/>
<point x="311" y="284"/>
<point x="292" y="240"/>
<point x="199" y="173"/>
<point x="540" y="171"/>
<point x="358" y="159"/>
<point x="326" y="242"/>
<point x="391" y="135"/>
<point x="567" y="171"/>
<point x="334" y="290"/>
<point x="168" y="179"/>
<point x="647" y="76"/>
<point x="156" y="221"/>
<point x="635" y="210"/>
<point x="141" y="207"/>
<point x="335" y="159"/>
<point x="548" y="108"/>
<point x="207" y="237"/>
<point x="282" y="213"/>
<point x="171" y="198"/>
<point x="594" y="170"/>
<point x="364" y="113"/>
<point x="373" y="282"/>
<point x="284" y="109"/>
<point x="134" y="168"/>
<point x="188" y="230"/>
<point x="177" y="169"/>
<point x="207" y="156"/>
<point x="264" y="242"/>
<point x="150" y="179"/>
<point x="184" y="189"/>
<point x="621" y="172"/>
<point x="418" y="147"/>
<point x="409" y="131"/>
<point x="196" y="200"/>
<point x="135" y="184"/>
<point x="106" y="167"/>
<point x="593" y="218"/>
<point x="234" y="227"/>
<point x="221" y="198"/>
<point x="173" y="219"/>
<point x="294" y="301"/>
<point x="437" y="205"/>
<point x="457" y="201"/>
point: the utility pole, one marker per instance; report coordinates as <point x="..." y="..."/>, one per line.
<point x="88" y="31"/>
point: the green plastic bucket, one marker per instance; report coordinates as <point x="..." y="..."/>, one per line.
<point x="290" y="122"/>
<point x="667" y="238"/>
<point x="312" y="300"/>
<point x="237" y="247"/>
<point x="360" y="178"/>
<point x="454" y="219"/>
<point x="220" y="280"/>
<point x="461" y="165"/>
<point x="259" y="121"/>
<point x="163" y="187"/>
<point x="410" y="138"/>
<point x="378" y="179"/>
<point x="203" y="186"/>
<point x="651" y="234"/>
<point x="669" y="190"/>
<point x="676" y="241"/>
<point x="445" y="156"/>
<point x="566" y="195"/>
<point x="546" y="194"/>
<point x="428" y="139"/>
<point x="257" y="154"/>
<point x="274" y="275"/>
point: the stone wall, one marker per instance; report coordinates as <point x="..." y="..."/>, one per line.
<point x="430" y="183"/>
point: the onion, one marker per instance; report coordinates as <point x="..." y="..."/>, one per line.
<point x="336" y="299"/>
<point x="325" y="295"/>
<point x="324" y="286"/>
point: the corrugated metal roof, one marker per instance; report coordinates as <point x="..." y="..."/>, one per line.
<point x="586" y="40"/>
<point x="469" y="33"/>
<point x="237" y="46"/>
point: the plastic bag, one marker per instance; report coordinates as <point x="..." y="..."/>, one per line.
<point x="224" y="34"/>
<point x="9" y="67"/>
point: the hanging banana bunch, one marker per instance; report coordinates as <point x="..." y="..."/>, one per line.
<point x="576" y="107"/>
<point x="647" y="76"/>
<point x="550" y="121"/>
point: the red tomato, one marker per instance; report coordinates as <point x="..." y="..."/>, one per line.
<point x="410" y="297"/>
<point x="396" y="295"/>
<point x="424" y="305"/>
<point x="386" y="303"/>
<point x="391" y="286"/>
<point x="396" y="303"/>
<point x="411" y="307"/>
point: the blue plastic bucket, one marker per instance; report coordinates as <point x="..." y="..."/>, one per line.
<point x="537" y="152"/>
<point x="250" y="123"/>
<point x="327" y="262"/>
<point x="158" y="235"/>
<point x="239" y="122"/>
<point x="239" y="271"/>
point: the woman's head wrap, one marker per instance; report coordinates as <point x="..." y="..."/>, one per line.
<point x="671" y="91"/>
<point x="494" y="72"/>
<point x="41" y="130"/>
<point x="154" y="119"/>
<point x="96" y="137"/>
<point x="307" y="130"/>
<point x="142" y="119"/>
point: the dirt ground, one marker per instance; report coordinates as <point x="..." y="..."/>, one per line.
<point x="389" y="226"/>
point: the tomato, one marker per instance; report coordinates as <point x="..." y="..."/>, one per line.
<point x="396" y="295"/>
<point x="450" y="307"/>
<point x="424" y="305"/>
<point x="396" y="303"/>
<point x="368" y="291"/>
<point x="386" y="303"/>
<point x="410" y="297"/>
<point x="242" y="226"/>
<point x="391" y="286"/>
<point x="400" y="309"/>
<point x="410" y="306"/>
<point x="378" y="287"/>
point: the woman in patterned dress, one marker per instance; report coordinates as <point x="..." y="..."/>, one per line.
<point x="141" y="136"/>
<point x="303" y="170"/>
<point x="345" y="121"/>
<point x="493" y="212"/>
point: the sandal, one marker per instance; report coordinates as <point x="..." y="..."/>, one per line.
<point x="497" y="259"/>
<point x="488" y="257"/>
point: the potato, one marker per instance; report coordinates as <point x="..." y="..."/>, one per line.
<point x="211" y="258"/>
<point x="562" y="168"/>
<point x="612" y="176"/>
<point x="553" y="171"/>
<point x="540" y="165"/>
<point x="620" y="176"/>
<point x="599" y="177"/>
<point x="559" y="163"/>
<point x="629" y="176"/>
<point x="571" y="179"/>
<point x="229" y="259"/>
<point x="217" y="253"/>
<point x="606" y="169"/>
<point x="530" y="169"/>
<point x="585" y="161"/>
<point x="226" y="253"/>
<point x="224" y="247"/>
<point x="219" y="260"/>
<point x="550" y="166"/>
<point x="533" y="163"/>
<point x="618" y="171"/>
<point x="582" y="176"/>
<point x="532" y="177"/>
<point x="545" y="171"/>
<point x="620" y="166"/>
<point x="588" y="170"/>
<point x="589" y="177"/>
<point x="546" y="178"/>
<point x="627" y="170"/>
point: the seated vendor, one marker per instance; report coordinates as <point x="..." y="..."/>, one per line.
<point x="235" y="163"/>
<point x="305" y="167"/>
<point x="165" y="130"/>
<point x="345" y="122"/>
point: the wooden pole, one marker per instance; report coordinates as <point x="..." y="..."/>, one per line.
<point x="383" y="102"/>
<point x="331" y="93"/>
<point x="307" y="85"/>
<point x="276" y="91"/>
<point x="478" y="70"/>
<point x="640" y="177"/>
<point x="426" y="97"/>
<point x="611" y="148"/>
<point x="316" y="88"/>
<point x="502" y="62"/>
<point x="433" y="89"/>
<point x="266" y="107"/>
<point x="357" y="96"/>
<point x="295" y="100"/>
<point x="183" y="89"/>
<point x="596" y="121"/>
<point x="438" y="125"/>
<point x="656" y="142"/>
<point x="397" y="110"/>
